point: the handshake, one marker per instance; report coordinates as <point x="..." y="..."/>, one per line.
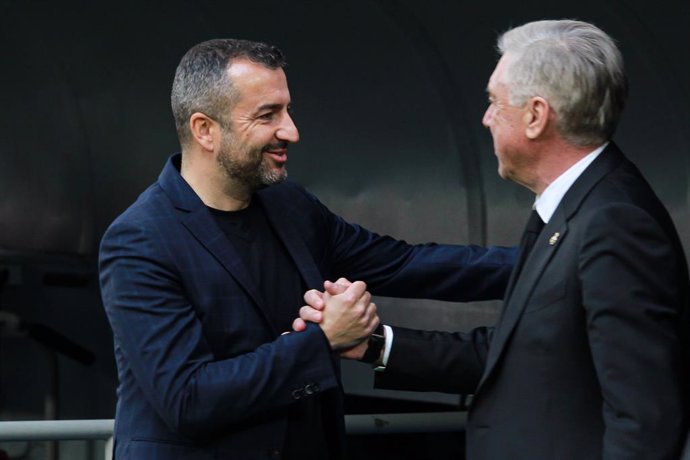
<point x="345" y="313"/>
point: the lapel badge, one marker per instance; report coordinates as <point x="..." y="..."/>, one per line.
<point x="554" y="238"/>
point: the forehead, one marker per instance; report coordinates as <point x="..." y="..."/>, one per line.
<point x="496" y="79"/>
<point x="257" y="84"/>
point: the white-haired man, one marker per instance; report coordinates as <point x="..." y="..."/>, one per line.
<point x="589" y="357"/>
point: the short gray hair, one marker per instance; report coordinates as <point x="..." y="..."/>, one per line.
<point x="576" y="67"/>
<point x="202" y="83"/>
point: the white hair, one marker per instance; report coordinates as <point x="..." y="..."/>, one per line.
<point x="576" y="67"/>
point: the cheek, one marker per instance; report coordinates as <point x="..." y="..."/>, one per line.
<point x="499" y="118"/>
<point x="498" y="133"/>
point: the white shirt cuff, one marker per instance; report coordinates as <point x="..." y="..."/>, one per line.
<point x="388" y="332"/>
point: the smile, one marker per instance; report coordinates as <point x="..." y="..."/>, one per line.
<point x="278" y="155"/>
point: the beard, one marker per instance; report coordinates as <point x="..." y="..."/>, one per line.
<point x="248" y="165"/>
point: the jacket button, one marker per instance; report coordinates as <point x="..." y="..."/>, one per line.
<point x="311" y="388"/>
<point x="298" y="393"/>
<point x="274" y="453"/>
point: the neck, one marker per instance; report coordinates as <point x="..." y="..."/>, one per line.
<point x="211" y="183"/>
<point x="556" y="158"/>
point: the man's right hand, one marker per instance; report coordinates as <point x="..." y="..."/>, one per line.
<point x="313" y="298"/>
<point x="347" y="316"/>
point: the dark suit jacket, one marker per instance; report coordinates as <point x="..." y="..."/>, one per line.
<point x="587" y="360"/>
<point x="204" y="372"/>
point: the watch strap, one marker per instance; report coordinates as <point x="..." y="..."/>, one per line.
<point x="377" y="341"/>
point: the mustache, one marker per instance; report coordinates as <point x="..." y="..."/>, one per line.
<point x="276" y="146"/>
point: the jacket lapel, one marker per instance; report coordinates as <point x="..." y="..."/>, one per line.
<point x="520" y="289"/>
<point x="282" y="223"/>
<point x="287" y="233"/>
<point x="515" y="303"/>
<point x="199" y="221"/>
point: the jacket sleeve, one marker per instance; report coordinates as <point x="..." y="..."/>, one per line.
<point x="394" y="268"/>
<point x="160" y="340"/>
<point x="449" y="362"/>
<point x="632" y="288"/>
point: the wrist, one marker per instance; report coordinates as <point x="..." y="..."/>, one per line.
<point x="375" y="346"/>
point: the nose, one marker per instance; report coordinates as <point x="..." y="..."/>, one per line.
<point x="287" y="130"/>
<point x="486" y="119"/>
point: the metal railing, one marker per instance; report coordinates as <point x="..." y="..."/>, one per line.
<point x="64" y="430"/>
<point x="56" y="430"/>
<point x="73" y="430"/>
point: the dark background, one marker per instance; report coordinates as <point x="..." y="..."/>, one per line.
<point x="388" y="97"/>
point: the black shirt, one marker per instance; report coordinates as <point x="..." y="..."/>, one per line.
<point x="275" y="274"/>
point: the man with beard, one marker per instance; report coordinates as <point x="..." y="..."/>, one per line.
<point x="202" y="274"/>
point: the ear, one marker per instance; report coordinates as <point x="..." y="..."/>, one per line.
<point x="536" y="117"/>
<point x="205" y="131"/>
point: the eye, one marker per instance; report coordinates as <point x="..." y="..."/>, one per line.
<point x="266" y="116"/>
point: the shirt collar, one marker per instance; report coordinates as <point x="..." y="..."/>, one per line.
<point x="546" y="203"/>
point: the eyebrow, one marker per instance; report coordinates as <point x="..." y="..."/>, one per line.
<point x="269" y="107"/>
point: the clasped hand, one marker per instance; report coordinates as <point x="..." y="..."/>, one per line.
<point x="345" y="313"/>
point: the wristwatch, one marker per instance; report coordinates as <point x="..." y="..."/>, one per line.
<point x="377" y="340"/>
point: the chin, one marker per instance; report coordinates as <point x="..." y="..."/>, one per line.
<point x="274" y="177"/>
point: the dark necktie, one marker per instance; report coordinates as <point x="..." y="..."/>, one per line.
<point x="534" y="226"/>
<point x="529" y="237"/>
